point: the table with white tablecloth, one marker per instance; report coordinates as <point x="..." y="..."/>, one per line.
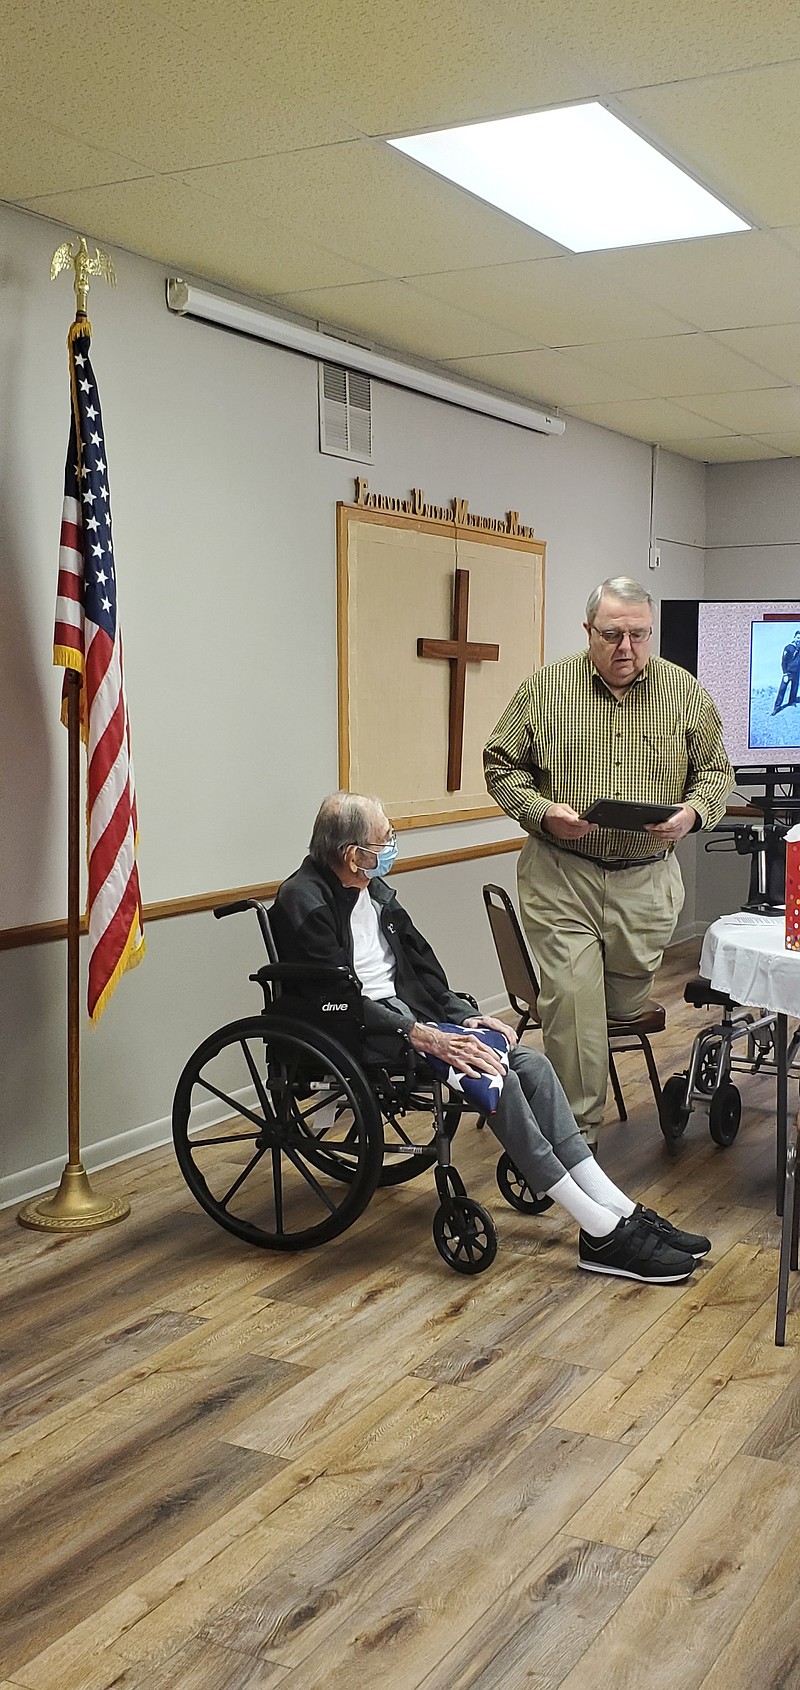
<point x="746" y="957"/>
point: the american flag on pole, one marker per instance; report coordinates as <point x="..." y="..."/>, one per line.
<point x="87" y="638"/>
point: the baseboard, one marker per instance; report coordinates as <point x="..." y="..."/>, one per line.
<point x="45" y="1176"/>
<point x="495" y="1005"/>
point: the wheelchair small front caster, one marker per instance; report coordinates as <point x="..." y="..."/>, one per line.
<point x="464" y="1235"/>
<point x="516" y="1190"/>
<point x="674" y="1111"/>
<point x="724" y="1114"/>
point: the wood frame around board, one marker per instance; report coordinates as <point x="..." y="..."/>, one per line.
<point x="438" y="623"/>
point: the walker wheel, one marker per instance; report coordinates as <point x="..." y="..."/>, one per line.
<point x="674" y="1111"/>
<point x="708" y="1068"/>
<point x="516" y="1190"/>
<point x="724" y="1115"/>
<point x="465" y="1236"/>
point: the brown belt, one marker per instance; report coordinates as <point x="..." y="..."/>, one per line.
<point x="613" y="864"/>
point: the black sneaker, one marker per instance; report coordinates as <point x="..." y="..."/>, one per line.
<point x="634" y="1250"/>
<point x="692" y="1243"/>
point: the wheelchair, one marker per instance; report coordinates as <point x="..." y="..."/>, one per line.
<point x="284" y="1127"/>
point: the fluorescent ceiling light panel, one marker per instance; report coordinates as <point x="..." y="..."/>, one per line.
<point x="576" y="174"/>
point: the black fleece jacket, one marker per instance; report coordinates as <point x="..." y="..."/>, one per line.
<point x="311" y="923"/>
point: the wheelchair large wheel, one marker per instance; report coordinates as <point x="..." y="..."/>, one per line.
<point x="406" y="1155"/>
<point x="257" y="1129"/>
<point x="409" y="1146"/>
<point x="517" y="1191"/>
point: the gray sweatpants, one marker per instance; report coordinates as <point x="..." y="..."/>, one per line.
<point x="534" y="1122"/>
<point x="533" y="1119"/>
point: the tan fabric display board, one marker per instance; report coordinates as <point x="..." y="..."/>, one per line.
<point x="396" y="576"/>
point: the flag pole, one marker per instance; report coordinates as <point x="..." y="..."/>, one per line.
<point x="74" y="1207"/>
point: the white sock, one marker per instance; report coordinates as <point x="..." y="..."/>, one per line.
<point x="593" y="1217"/>
<point x="591" y="1179"/>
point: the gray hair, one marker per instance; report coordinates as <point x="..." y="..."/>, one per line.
<point x="345" y="818"/>
<point x="619" y="587"/>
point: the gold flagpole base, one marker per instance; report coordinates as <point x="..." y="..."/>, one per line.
<point x="74" y="1207"/>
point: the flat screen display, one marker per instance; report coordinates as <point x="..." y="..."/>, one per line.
<point x="774" y="719"/>
<point x="745" y="654"/>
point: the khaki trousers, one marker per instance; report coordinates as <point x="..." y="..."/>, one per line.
<point x="597" y="937"/>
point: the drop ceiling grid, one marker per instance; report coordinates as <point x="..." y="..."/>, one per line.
<point x="240" y="146"/>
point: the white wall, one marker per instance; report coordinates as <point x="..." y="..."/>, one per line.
<point x="753" y="533"/>
<point x="752" y="551"/>
<point x="225" y="539"/>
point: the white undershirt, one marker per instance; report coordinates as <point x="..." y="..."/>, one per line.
<point x="373" y="958"/>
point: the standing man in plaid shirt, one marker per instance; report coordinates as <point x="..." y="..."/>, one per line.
<point x="599" y="905"/>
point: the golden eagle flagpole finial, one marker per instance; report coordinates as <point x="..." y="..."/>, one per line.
<point x="85" y="265"/>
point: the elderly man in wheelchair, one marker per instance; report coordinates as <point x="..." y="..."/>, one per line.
<point x="330" y="1113"/>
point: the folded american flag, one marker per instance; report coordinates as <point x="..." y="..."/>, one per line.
<point x="482" y="1091"/>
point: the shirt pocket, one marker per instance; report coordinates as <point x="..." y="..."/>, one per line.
<point x="665" y="755"/>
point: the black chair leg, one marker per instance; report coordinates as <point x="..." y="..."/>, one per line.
<point x="616" y="1087"/>
<point x="647" y="1051"/>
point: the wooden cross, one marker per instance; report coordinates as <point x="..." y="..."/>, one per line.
<point x="458" y="651"/>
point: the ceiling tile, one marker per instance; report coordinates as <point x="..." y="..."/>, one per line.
<point x="740" y="134"/>
<point x="750" y="413"/>
<point x="554" y="378"/>
<point x="784" y="440"/>
<point x="388" y="66"/>
<point x="392" y="64"/>
<point x="400" y="316"/>
<point x="164" y="218"/>
<point x="631" y="43"/>
<point x="36" y="158"/>
<point x="654" y="420"/>
<point x="675" y="364"/>
<point x="718" y="282"/>
<point x="724" y="449"/>
<point x="789" y="237"/>
<point x="383" y="209"/>
<point x="549" y="302"/>
<point x="154" y="93"/>
<point x="776" y="349"/>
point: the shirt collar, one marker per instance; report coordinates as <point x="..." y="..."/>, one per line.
<point x="597" y="679"/>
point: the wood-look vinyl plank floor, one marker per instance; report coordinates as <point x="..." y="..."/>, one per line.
<point x="224" y="1469"/>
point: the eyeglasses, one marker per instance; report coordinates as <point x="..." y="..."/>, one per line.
<point x="370" y="846"/>
<point x="615" y="636"/>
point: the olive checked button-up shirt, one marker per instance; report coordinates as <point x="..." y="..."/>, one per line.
<point x="566" y="739"/>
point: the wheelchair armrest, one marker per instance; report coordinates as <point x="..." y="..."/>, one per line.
<point x="292" y="973"/>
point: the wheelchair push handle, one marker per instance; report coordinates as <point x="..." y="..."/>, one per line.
<point x="237" y="908"/>
<point x="241" y="904"/>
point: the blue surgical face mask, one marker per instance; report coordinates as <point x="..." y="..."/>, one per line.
<point x="386" y="858"/>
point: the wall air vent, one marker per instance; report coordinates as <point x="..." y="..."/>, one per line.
<point x="345" y="413"/>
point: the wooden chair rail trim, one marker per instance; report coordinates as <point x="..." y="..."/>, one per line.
<point x="45" y="932"/>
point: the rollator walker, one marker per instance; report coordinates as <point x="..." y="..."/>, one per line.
<point x="741" y="1040"/>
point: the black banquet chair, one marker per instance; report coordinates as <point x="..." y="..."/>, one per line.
<point x="522" y="984"/>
